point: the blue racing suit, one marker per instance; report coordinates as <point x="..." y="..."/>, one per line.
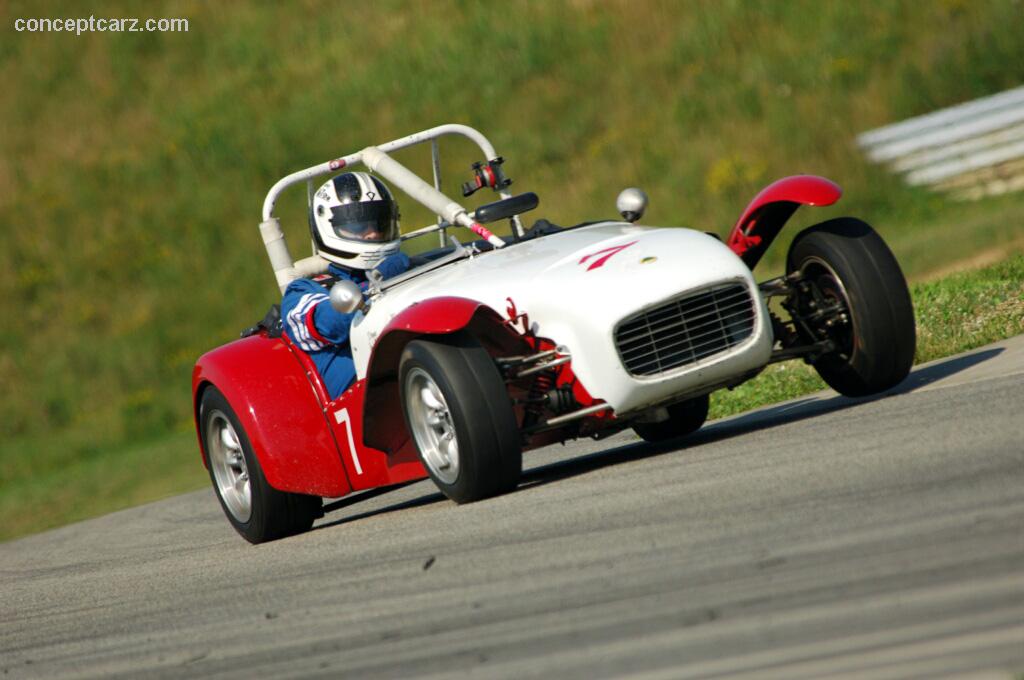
<point x="321" y="331"/>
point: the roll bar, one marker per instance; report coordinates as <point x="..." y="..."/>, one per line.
<point x="376" y="158"/>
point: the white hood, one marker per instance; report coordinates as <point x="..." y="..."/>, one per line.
<point x="576" y="286"/>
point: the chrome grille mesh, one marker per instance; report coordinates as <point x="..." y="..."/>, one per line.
<point x="685" y="330"/>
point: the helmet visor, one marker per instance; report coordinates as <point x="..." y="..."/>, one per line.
<point x="373" y="221"/>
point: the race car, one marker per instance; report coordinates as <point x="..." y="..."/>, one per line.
<point x="491" y="347"/>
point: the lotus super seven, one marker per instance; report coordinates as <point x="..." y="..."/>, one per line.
<point x="504" y="342"/>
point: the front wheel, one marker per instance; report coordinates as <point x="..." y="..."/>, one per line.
<point x="460" y="417"/>
<point x="255" y="509"/>
<point x="854" y="295"/>
<point x="685" y="417"/>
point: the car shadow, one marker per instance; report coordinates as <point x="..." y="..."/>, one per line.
<point x="811" y="407"/>
<point x="760" y="420"/>
<point x="362" y="497"/>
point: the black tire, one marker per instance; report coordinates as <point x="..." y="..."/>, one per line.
<point x="684" y="418"/>
<point x="475" y="412"/>
<point x="271" y="513"/>
<point x="849" y="261"/>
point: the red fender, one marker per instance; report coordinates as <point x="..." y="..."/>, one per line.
<point x="277" y="404"/>
<point x="384" y="424"/>
<point x="368" y="467"/>
<point x="764" y="217"/>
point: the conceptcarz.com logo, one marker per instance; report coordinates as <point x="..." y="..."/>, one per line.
<point x="93" y="25"/>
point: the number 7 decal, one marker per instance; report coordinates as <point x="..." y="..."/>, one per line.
<point x="342" y="417"/>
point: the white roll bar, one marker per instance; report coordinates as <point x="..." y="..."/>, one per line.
<point x="356" y="158"/>
<point x="423" y="193"/>
<point x="375" y="158"/>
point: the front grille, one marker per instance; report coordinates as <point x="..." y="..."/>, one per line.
<point x="685" y="330"/>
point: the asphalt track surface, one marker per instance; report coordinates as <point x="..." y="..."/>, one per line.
<point x="851" y="538"/>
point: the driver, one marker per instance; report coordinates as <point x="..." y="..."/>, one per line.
<point x="354" y="221"/>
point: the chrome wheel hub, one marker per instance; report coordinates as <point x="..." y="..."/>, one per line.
<point x="227" y="460"/>
<point x="431" y="423"/>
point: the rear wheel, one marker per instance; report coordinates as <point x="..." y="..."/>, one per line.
<point x="255" y="509"/>
<point x="685" y="417"/>
<point x="856" y="297"/>
<point x="460" y="417"/>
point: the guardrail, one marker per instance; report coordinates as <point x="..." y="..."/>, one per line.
<point x="971" y="150"/>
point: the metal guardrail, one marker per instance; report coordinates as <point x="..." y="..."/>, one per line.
<point x="971" y="150"/>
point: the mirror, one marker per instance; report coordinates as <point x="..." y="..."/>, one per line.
<point x="346" y="297"/>
<point x="631" y="204"/>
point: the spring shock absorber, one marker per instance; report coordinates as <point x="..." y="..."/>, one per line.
<point x="536" y="398"/>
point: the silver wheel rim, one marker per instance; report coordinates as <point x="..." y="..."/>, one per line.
<point x="227" y="460"/>
<point x="432" y="427"/>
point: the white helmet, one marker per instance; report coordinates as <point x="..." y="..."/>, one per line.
<point x="354" y="221"/>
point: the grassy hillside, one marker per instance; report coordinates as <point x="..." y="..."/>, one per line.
<point x="133" y="166"/>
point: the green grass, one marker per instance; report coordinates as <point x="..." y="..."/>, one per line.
<point x="133" y="166"/>
<point x="954" y="314"/>
<point x="89" y="485"/>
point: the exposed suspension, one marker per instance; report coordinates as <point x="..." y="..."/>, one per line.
<point x="536" y="398"/>
<point x="805" y="334"/>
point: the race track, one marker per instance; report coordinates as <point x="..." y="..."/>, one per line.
<point x="877" y="538"/>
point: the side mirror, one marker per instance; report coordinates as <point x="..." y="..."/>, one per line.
<point x="346" y="297"/>
<point x="631" y="204"/>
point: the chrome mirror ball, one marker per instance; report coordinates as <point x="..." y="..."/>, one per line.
<point x="346" y="297"/>
<point x="631" y="204"/>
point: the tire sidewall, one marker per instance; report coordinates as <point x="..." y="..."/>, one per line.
<point x="252" y="530"/>
<point x="490" y="453"/>
<point x="877" y="301"/>
<point x="415" y="357"/>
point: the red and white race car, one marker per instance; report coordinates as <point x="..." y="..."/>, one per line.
<point x="483" y="350"/>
